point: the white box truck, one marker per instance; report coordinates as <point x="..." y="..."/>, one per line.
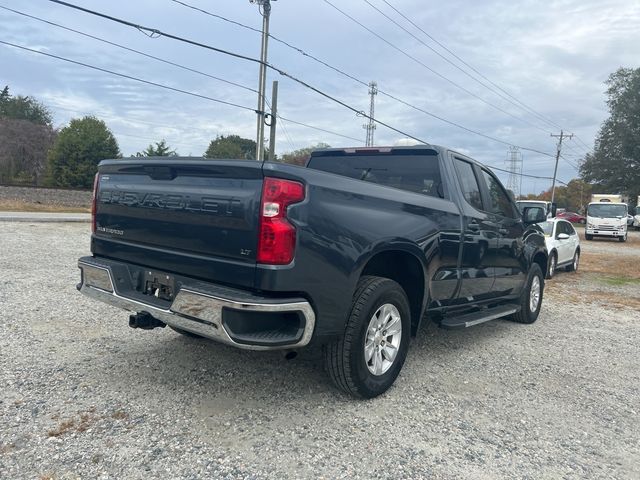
<point x="549" y="207"/>
<point x="606" y="218"/>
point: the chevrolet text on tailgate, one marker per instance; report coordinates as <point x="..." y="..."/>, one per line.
<point x="351" y="252"/>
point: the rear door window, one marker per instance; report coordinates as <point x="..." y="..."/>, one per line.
<point x="498" y="198"/>
<point x="469" y="183"/>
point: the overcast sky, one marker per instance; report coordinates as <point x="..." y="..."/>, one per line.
<point x="552" y="56"/>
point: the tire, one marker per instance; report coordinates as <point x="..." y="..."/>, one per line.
<point x="588" y="237"/>
<point x="553" y="264"/>
<point x="185" y="333"/>
<point x="576" y="261"/>
<point x="623" y="239"/>
<point x="376" y="300"/>
<point x="527" y="314"/>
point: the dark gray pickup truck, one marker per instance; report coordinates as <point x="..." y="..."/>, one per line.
<point x="351" y="252"/>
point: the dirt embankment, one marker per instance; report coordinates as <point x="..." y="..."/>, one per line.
<point x="29" y="199"/>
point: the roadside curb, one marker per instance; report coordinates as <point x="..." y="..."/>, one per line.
<point x="43" y="217"/>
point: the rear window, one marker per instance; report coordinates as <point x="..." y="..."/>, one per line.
<point x="414" y="173"/>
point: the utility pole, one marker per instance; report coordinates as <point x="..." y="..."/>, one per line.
<point x="514" y="159"/>
<point x="371" y="126"/>
<point x="274" y="121"/>
<point x="555" y="170"/>
<point x="265" y="10"/>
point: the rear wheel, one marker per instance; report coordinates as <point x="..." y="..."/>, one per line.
<point x="623" y="239"/>
<point x="553" y="263"/>
<point x="366" y="360"/>
<point x="531" y="297"/>
<point x="576" y="260"/>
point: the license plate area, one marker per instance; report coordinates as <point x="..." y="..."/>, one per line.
<point x="159" y="285"/>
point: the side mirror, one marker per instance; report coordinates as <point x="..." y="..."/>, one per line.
<point x="562" y="236"/>
<point x="533" y="215"/>
<point x="554" y="209"/>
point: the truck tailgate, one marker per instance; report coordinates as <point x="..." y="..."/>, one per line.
<point x="194" y="217"/>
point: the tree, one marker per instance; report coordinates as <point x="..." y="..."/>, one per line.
<point x="23" y="150"/>
<point x="231" y="147"/>
<point x="300" y="157"/>
<point x="24" y="108"/>
<point x="74" y="158"/>
<point x="573" y="196"/>
<point x="26" y="134"/>
<point x="614" y="164"/>
<point x="161" y="149"/>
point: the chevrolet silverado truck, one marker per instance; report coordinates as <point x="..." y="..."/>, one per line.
<point x="350" y="252"/>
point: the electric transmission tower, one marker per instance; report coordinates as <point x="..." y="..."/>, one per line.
<point x="371" y="126"/>
<point x="514" y="160"/>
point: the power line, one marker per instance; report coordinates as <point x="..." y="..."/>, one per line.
<point x="493" y="90"/>
<point x="125" y="119"/>
<point x="164" y="61"/>
<point x="382" y="92"/>
<point x="193" y="70"/>
<point x="444" y="47"/>
<point x="362" y="82"/>
<point x="523" y="174"/>
<point x="157" y="33"/>
<point x="148" y="82"/>
<point x="170" y="88"/>
<point x="539" y="115"/>
<point x="320" y="129"/>
<point x="419" y="62"/>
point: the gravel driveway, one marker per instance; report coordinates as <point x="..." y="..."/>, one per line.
<point x="85" y="396"/>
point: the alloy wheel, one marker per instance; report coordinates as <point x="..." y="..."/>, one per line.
<point x="383" y="337"/>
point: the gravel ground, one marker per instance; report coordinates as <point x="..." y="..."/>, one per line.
<point x="46" y="196"/>
<point x="84" y="396"/>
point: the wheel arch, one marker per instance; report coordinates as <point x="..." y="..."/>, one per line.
<point x="542" y="259"/>
<point x="408" y="271"/>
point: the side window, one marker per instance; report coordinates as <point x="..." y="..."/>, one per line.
<point x="500" y="202"/>
<point x="469" y="183"/>
<point x="567" y="228"/>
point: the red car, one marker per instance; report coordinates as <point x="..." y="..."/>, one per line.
<point x="572" y="217"/>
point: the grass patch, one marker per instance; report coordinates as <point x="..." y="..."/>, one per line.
<point x="20" y="206"/>
<point x="619" y="281"/>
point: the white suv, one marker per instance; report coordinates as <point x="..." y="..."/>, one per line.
<point x="563" y="245"/>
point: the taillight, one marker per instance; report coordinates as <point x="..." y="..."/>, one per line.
<point x="94" y="201"/>
<point x="277" y="240"/>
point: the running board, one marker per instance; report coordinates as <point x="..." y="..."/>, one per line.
<point x="475" y="318"/>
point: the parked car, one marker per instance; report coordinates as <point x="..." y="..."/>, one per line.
<point x="349" y="252"/>
<point x="572" y="217"/>
<point x="563" y="245"/>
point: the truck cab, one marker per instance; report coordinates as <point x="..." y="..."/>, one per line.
<point x="606" y="219"/>
<point x="549" y="207"/>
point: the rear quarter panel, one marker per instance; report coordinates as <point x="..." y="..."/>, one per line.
<point x="340" y="226"/>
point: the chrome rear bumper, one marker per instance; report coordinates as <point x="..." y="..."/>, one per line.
<point x="196" y="311"/>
